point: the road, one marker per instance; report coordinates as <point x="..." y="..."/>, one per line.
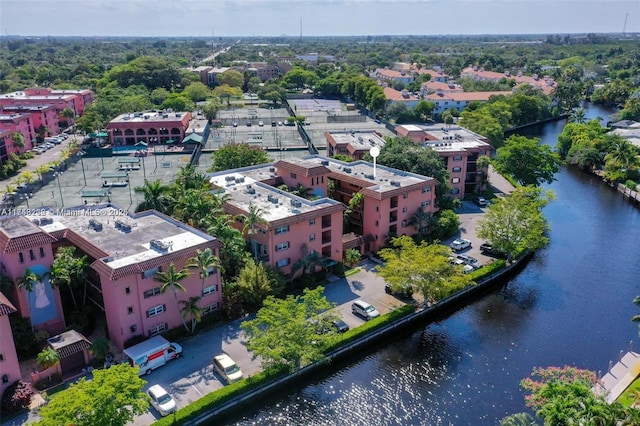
<point x="213" y="57"/>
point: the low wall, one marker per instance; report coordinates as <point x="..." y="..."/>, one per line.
<point x="384" y="334"/>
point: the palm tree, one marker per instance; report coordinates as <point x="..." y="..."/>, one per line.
<point x="18" y="139"/>
<point x="204" y="261"/>
<point x="578" y="116"/>
<point x="156" y="197"/>
<point x="26" y="283"/>
<point x="447" y="118"/>
<point x="306" y="261"/>
<point x="250" y="221"/>
<point x="519" y="419"/>
<point x="351" y="257"/>
<point x="190" y="178"/>
<point x="69" y="115"/>
<point x="100" y="348"/>
<point x="421" y="220"/>
<point x="170" y="281"/>
<point x="48" y="357"/>
<point x="191" y="309"/>
<point x="301" y="191"/>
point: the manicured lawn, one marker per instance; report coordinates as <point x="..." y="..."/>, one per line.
<point x="626" y="398"/>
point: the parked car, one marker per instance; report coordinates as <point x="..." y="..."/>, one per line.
<point x="248" y="124"/>
<point x="340" y="326"/>
<point x="161" y="400"/>
<point x="468" y="260"/>
<point x="404" y="293"/>
<point x="488" y="250"/>
<point x="227" y="368"/>
<point x="260" y="123"/>
<point x="480" y="201"/>
<point x="235" y="124"/>
<point x="460" y="244"/>
<point x="365" y="310"/>
<point x="273" y="124"/>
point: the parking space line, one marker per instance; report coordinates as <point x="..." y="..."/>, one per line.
<point x="199" y="393"/>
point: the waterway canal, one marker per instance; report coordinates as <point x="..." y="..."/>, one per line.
<point x="571" y="305"/>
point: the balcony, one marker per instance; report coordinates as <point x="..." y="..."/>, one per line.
<point x="326" y="221"/>
<point x="326" y="237"/>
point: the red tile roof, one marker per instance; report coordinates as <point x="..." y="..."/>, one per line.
<point x="6" y="307"/>
<point x="395" y="95"/>
<point x="464" y="96"/>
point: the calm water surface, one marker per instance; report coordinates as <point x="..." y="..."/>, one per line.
<point x="571" y="305"/>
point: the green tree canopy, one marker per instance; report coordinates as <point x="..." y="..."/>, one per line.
<point x="237" y="155"/>
<point x="178" y="102"/>
<point x="197" y="91"/>
<point x="256" y="282"/>
<point x="231" y="78"/>
<point x="527" y="161"/>
<point x="516" y="222"/>
<point x="283" y="333"/>
<point x="422" y="267"/>
<point x="148" y="71"/>
<point x="113" y="397"/>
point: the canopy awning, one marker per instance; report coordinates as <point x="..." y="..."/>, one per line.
<point x="94" y="194"/>
<point x="128" y="160"/>
<point x="102" y="135"/>
<point x="141" y="144"/>
<point x="170" y="141"/>
<point x="193" y="139"/>
<point x="113" y="175"/>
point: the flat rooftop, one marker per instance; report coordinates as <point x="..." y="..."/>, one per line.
<point x="386" y="178"/>
<point x="127" y="238"/>
<point x="149" y="116"/>
<point x="276" y="204"/>
<point x="358" y="140"/>
<point x="23" y="96"/>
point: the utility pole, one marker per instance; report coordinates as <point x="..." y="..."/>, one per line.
<point x="624" y="28"/>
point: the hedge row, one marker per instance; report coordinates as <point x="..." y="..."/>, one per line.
<point x="488" y="269"/>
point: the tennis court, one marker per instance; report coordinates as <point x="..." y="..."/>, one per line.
<point x="301" y="105"/>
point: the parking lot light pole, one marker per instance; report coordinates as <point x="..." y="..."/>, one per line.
<point x="57" y="176"/>
<point x="84" y="176"/>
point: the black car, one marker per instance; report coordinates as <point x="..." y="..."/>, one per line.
<point x="273" y="124"/>
<point x="248" y="124"/>
<point x="488" y="250"/>
<point x="340" y="326"/>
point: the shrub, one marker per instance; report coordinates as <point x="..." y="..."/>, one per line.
<point x="445" y="224"/>
<point x="488" y="269"/>
<point x="16" y="397"/>
<point x="26" y="342"/>
<point x="631" y="184"/>
<point x="56" y="379"/>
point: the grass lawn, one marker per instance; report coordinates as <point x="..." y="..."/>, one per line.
<point x="626" y="398"/>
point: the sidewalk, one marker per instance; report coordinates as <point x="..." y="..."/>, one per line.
<point x="499" y="184"/>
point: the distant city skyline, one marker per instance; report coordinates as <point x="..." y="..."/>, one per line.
<point x="224" y="18"/>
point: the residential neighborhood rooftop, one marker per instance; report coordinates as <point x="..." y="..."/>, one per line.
<point x="149" y="116"/>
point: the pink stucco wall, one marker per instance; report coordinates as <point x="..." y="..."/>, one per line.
<point x="126" y="306"/>
<point x="21" y="123"/>
<point x="9" y="364"/>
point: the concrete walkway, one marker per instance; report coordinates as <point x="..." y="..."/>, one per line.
<point x="499" y="185"/>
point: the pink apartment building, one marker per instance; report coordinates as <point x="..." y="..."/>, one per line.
<point x="20" y="123"/>
<point x="546" y="84"/>
<point x="355" y="143"/>
<point x="150" y="127"/>
<point x="9" y="367"/>
<point x="125" y="253"/>
<point x="81" y="97"/>
<point x="297" y="225"/>
<point x="459" y="148"/>
<point x="41" y="115"/>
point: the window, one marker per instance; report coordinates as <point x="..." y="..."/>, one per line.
<point x="282" y="246"/>
<point x="32" y="256"/>
<point x="426" y="189"/>
<point x="457" y="158"/>
<point x="405" y="196"/>
<point x="211" y="271"/>
<point x="312" y="221"/>
<point x="41" y="251"/>
<point x="157" y="329"/>
<point x="210" y="308"/>
<point x="156" y="310"/>
<point x="377" y="208"/>
<point x="404" y="210"/>
<point x="455" y="191"/>
<point x="376" y="223"/>
<point x="282" y="262"/>
<point x="404" y="223"/>
<point x="130" y="310"/>
<point x="150" y="272"/>
<point x="1" y="357"/>
<point x="455" y="180"/>
<point x="127" y="290"/>
<point x="312" y="237"/>
<point x="209" y="290"/>
<point x="21" y="257"/>
<point x="153" y="292"/>
<point x="282" y="229"/>
<point x="293" y="176"/>
<point x="456" y="169"/>
<point x="425" y="203"/>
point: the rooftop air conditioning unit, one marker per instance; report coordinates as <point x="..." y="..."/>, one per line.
<point x="159" y="245"/>
<point x="325" y="162"/>
<point x="251" y="191"/>
<point x="395" y="183"/>
<point x="272" y="169"/>
<point x="95" y="225"/>
<point x="178" y="115"/>
<point x="146" y="117"/>
<point x="107" y="259"/>
<point x="347" y="169"/>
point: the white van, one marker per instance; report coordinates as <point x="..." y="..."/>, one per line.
<point x="365" y="310"/>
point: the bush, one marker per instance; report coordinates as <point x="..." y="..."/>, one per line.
<point x="445" y="224"/>
<point x="488" y="269"/>
<point x="27" y="344"/>
<point x="631" y="184"/>
<point x="16" y="397"/>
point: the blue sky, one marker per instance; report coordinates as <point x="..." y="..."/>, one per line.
<point x="319" y="17"/>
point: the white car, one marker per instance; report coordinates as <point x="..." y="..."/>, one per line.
<point x="260" y="123"/>
<point x="227" y="368"/>
<point x="460" y="244"/>
<point x="161" y="400"/>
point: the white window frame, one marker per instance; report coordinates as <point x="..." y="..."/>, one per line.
<point x="155" y="311"/>
<point x="457" y="158"/>
<point x="312" y="237"/>
<point x="283" y="262"/>
<point x="150" y="272"/>
<point x="426" y="189"/>
<point x="425" y="203"/>
<point x="151" y="292"/>
<point x="455" y="180"/>
<point x="210" y="289"/>
<point x="157" y="329"/>
<point x="281" y="229"/>
<point x="283" y="246"/>
<point x="456" y="169"/>
<point x="210" y="308"/>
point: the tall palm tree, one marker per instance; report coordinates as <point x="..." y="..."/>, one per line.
<point x="191" y="309"/>
<point x="171" y="281"/>
<point x="190" y="178"/>
<point x="26" y="283"/>
<point x="255" y="217"/>
<point x="203" y="261"/>
<point x="48" y="357"/>
<point x="100" y="348"/>
<point x="421" y="220"/>
<point x="156" y="197"/>
<point x="578" y="116"/>
<point x="17" y="139"/>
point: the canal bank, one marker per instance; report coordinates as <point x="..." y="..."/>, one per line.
<point x="345" y="354"/>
